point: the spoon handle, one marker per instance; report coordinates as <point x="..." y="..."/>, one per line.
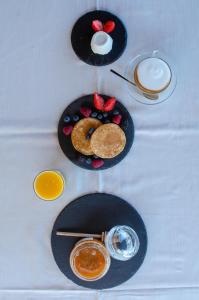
<point x="119" y="75"/>
<point x="147" y="95"/>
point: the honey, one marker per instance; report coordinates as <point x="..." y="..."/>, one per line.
<point x="89" y="260"/>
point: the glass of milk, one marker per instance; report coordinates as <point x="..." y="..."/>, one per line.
<point x="153" y="76"/>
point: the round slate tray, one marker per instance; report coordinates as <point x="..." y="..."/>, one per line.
<point x="66" y="144"/>
<point x="95" y="213"/>
<point x="82" y="33"/>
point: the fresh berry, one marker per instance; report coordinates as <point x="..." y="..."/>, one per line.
<point x="97" y="25"/>
<point x="67" y="130"/>
<point x="116" y="112"/>
<point x="75" y="118"/>
<point x="85" y="111"/>
<point x="97" y="163"/>
<point x="95" y="156"/>
<point x="67" y="119"/>
<point x="81" y="158"/>
<point x="109" y="26"/>
<point x="100" y="105"/>
<point x="98" y="102"/>
<point x="88" y="160"/>
<point x="105" y="114"/>
<point x="125" y="124"/>
<point x="109" y="105"/>
<point x="100" y="117"/>
<point x="117" y="119"/>
<point x="107" y="121"/>
<point x="94" y="114"/>
<point x="90" y="132"/>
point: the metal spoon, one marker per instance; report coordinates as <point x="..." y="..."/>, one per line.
<point x="149" y="96"/>
<point x="119" y="75"/>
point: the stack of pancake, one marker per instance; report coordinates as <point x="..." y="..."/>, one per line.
<point x="107" y="141"/>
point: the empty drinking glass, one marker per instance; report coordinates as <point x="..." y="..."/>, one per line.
<point x="122" y="242"/>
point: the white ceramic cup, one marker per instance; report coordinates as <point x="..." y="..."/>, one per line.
<point x="101" y="43"/>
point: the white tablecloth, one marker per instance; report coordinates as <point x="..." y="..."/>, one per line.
<point x="39" y="76"/>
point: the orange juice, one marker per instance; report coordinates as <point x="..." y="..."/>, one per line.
<point x="49" y="185"/>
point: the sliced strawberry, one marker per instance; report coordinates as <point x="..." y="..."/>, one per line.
<point x="97" y="25"/>
<point x="85" y="111"/>
<point x="109" y="105"/>
<point x="109" y="26"/>
<point x="98" y="101"/>
<point x="97" y="163"/>
<point x="117" y="119"/>
<point x="67" y="130"/>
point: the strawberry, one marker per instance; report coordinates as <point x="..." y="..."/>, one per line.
<point x="117" y="119"/>
<point x="97" y="25"/>
<point x="109" y="26"/>
<point x="67" y="130"/>
<point x="85" y="111"/>
<point x="98" y="101"/>
<point x="97" y="163"/>
<point x="109" y="105"/>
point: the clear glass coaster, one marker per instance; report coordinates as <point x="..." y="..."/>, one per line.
<point x="145" y="97"/>
<point x="122" y="242"/>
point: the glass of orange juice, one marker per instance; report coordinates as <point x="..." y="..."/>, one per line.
<point x="49" y="185"/>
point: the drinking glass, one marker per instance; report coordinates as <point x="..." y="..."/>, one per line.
<point x="49" y="185"/>
<point x="122" y="242"/>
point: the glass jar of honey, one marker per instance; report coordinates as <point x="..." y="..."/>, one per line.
<point x="89" y="259"/>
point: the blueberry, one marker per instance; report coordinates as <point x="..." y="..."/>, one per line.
<point x="88" y="160"/>
<point x="94" y="114"/>
<point x="81" y="158"/>
<point x="67" y="119"/>
<point x="75" y="118"/>
<point x="107" y="121"/>
<point x="95" y="156"/>
<point x="91" y="130"/>
<point x="100" y="116"/>
<point x="125" y="124"/>
<point x="116" y="112"/>
<point x="105" y="114"/>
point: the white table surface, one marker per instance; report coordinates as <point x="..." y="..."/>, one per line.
<point x="39" y="76"/>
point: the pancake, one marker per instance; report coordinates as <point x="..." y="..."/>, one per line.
<point x="78" y="136"/>
<point x="108" y="141"/>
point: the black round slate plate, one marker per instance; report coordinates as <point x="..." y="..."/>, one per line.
<point x="82" y="33"/>
<point x="66" y="144"/>
<point x="94" y="213"/>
